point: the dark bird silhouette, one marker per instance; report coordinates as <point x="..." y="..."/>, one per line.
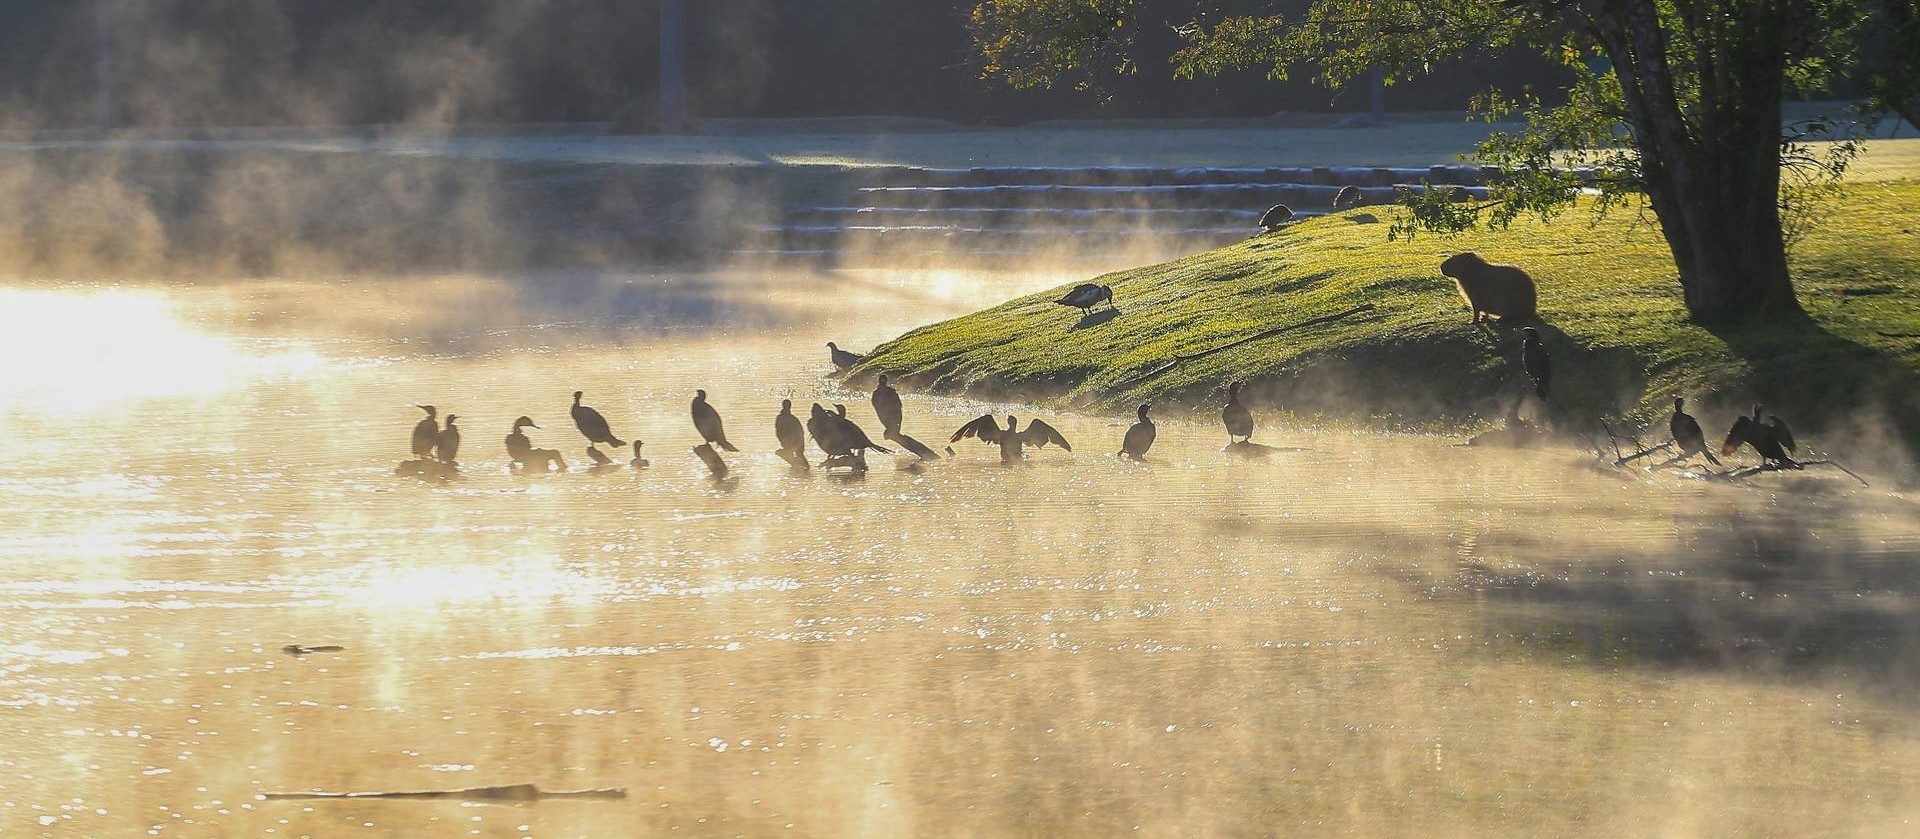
<point x="1781" y="433"/>
<point x="1764" y="439"/>
<point x="1533" y="359"/>
<point x="1236" y="417"/>
<point x="1086" y="296"/>
<point x="824" y="431"/>
<point x="448" y="443"/>
<point x="1139" y="437"/>
<point x="426" y="433"/>
<point x="599" y="457"/>
<point x="707" y="421"/>
<point x="886" y="405"/>
<point x="638" y="462"/>
<point x="1276" y="217"/>
<point x="521" y="452"/>
<point x="841" y="358"/>
<point x="1687" y="434"/>
<point x="853" y="435"/>
<point x="786" y="427"/>
<point x="592" y="425"/>
<point x="1010" y="439"/>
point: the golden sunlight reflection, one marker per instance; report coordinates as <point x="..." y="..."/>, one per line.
<point x="77" y="352"/>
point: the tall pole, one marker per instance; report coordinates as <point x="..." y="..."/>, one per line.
<point x="103" y="65"/>
<point x="673" y="66"/>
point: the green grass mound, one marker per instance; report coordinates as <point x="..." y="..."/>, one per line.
<point x="1610" y="310"/>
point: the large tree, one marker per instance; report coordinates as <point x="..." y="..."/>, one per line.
<point x="1674" y="102"/>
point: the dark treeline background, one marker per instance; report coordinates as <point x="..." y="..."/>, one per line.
<point x="315" y="62"/>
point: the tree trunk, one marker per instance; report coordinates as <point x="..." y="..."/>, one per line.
<point x="1712" y="175"/>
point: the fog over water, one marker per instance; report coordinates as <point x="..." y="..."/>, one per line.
<point x="1372" y="635"/>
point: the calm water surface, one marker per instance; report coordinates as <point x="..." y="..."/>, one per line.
<point x="1377" y="635"/>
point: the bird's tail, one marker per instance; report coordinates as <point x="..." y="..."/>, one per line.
<point x="615" y="441"/>
<point x="1710" y="458"/>
<point x="883" y="450"/>
<point x="722" y="443"/>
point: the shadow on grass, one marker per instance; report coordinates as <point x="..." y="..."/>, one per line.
<point x="1094" y="319"/>
<point x="1861" y="401"/>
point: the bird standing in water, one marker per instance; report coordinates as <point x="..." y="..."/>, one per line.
<point x="426" y="433"/>
<point x="1139" y="437"/>
<point x="521" y="452"/>
<point x="1011" y="438"/>
<point x="886" y="405"/>
<point x="1687" y="434"/>
<point x="448" y="443"/>
<point x="852" y="435"/>
<point x="594" y="427"/>
<point x="1236" y="417"/>
<point x="707" y="421"/>
<point x="1533" y="359"/>
<point x="786" y="428"/>
<point x="841" y="358"/>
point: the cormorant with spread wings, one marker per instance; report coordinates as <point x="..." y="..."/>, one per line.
<point x="1037" y="434"/>
<point x="1771" y="439"/>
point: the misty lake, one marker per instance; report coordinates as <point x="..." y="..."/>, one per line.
<point x="1373" y="634"/>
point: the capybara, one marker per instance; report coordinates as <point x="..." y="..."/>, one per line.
<point x="1499" y="290"/>
<point x="1348" y="198"/>
<point x="1276" y="217"/>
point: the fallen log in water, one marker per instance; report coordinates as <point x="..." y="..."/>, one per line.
<point x="1266" y="333"/>
<point x="1749" y="471"/>
<point x="510" y="792"/>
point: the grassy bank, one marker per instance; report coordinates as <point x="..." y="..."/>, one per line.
<point x="1610" y="309"/>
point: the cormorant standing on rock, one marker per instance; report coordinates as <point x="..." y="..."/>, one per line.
<point x="1236" y="417"/>
<point x="707" y="421"/>
<point x="1687" y="434"/>
<point x="841" y="358"/>
<point x="448" y="444"/>
<point x="886" y="405"/>
<point x="1010" y="439"/>
<point x="1533" y="358"/>
<point x="786" y="427"/>
<point x="426" y="433"/>
<point x="1139" y="437"/>
<point x="592" y="425"/>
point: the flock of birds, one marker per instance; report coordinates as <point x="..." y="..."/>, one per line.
<point x="845" y="443"/>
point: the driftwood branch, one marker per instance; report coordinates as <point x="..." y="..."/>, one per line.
<point x="1267" y="333"/>
<point x="1626" y="459"/>
<point x="1736" y="474"/>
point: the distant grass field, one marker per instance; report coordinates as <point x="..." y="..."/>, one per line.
<point x="1610" y="308"/>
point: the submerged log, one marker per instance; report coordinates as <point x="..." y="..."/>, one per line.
<point x="712" y="459"/>
<point x="510" y="792"/>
